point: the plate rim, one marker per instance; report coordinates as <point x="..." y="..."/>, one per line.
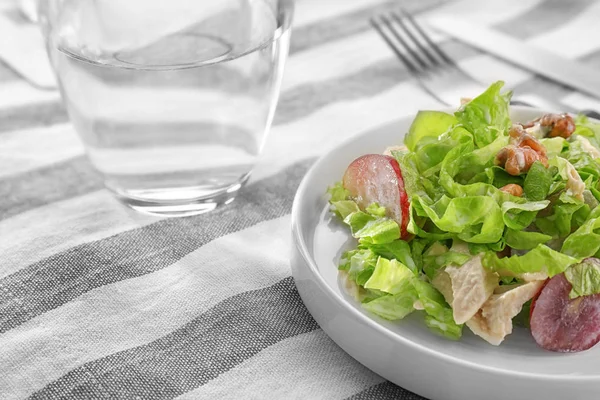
<point x="300" y="243"/>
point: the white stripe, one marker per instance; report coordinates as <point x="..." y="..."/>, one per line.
<point x="335" y="60"/>
<point x="21" y="151"/>
<point x="137" y="311"/>
<point x="307" y="366"/>
<point x="14" y="94"/>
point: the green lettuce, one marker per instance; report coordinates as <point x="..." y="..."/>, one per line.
<point x="375" y="210"/>
<point x="540" y="259"/>
<point x="397" y="249"/>
<point x="337" y="192"/>
<point x="394" y="307"/>
<point x="522" y="240"/>
<point x="343" y="208"/>
<point x="486" y="116"/>
<point x="584" y="278"/>
<point x="538" y="181"/>
<point x="520" y="215"/>
<point x="566" y="213"/>
<point x="590" y="130"/>
<point x="439" y="316"/>
<point x="585" y="241"/>
<point x="360" y="265"/>
<point x="587" y="167"/>
<point x="475" y="219"/>
<point x="389" y="276"/>
<point x="428" y="124"/>
<point x="554" y="146"/>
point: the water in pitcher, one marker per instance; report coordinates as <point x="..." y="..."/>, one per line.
<point x="180" y="116"/>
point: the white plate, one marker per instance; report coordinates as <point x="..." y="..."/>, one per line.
<point x="406" y="352"/>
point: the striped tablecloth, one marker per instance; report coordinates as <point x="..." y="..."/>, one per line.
<point x="97" y="301"/>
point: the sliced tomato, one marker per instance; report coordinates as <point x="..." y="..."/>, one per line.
<point x="559" y="323"/>
<point x="376" y="178"/>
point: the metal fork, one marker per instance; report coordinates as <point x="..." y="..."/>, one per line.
<point x="433" y="69"/>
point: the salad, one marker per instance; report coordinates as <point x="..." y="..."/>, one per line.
<point x="480" y="223"/>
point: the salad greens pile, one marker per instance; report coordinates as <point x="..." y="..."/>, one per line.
<point x="457" y="211"/>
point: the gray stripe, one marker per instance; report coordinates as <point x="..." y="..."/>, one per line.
<point x="211" y="344"/>
<point x="546" y="16"/>
<point x="32" y="115"/>
<point x="58" y="279"/>
<point x="20" y="193"/>
<point x="385" y="390"/>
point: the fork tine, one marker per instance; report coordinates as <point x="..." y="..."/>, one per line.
<point x="399" y="20"/>
<point x="390" y="42"/>
<point x="389" y="24"/>
<point x="426" y="37"/>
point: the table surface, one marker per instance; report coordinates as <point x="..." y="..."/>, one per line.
<point x="97" y="301"/>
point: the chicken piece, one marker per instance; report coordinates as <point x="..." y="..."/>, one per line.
<point x="458" y="246"/>
<point x="517" y="160"/>
<point x="513" y="189"/>
<point x="441" y="281"/>
<point x="494" y="321"/>
<point x="472" y="285"/>
<point x="587" y="146"/>
<point x="575" y="185"/>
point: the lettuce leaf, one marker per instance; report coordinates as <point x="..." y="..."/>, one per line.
<point x="428" y="124"/>
<point x="475" y="219"/>
<point x="567" y="213"/>
<point x="375" y="210"/>
<point x="585" y="241"/>
<point x="398" y="249"/>
<point x="486" y="116"/>
<point x="439" y="316"/>
<point x="520" y="215"/>
<point x="554" y="146"/>
<point x="343" y="208"/>
<point x="522" y="240"/>
<point x="360" y="264"/>
<point x="540" y="259"/>
<point x="389" y="276"/>
<point x="337" y="192"/>
<point x="394" y="307"/>
<point x="584" y="278"/>
<point x="588" y="129"/>
<point x="379" y="231"/>
<point x="538" y="181"/>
